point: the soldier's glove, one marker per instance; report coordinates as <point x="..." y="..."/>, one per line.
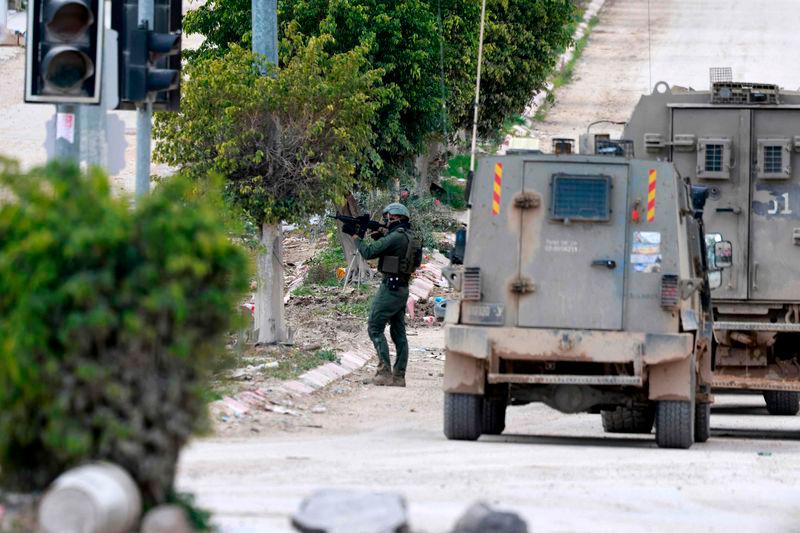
<point x="377" y="234"/>
<point x="349" y="229"/>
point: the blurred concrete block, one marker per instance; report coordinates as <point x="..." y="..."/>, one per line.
<point x="94" y="498"/>
<point x="351" y="511"/>
<point x="166" y="519"/>
<point x="480" y="518"/>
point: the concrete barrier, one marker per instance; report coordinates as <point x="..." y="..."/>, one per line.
<point x="94" y="498"/>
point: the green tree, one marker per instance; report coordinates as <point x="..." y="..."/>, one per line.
<point x="523" y="39"/>
<point x="110" y="318"/>
<point x="402" y="41"/>
<point x="221" y="23"/>
<point x="285" y="144"/>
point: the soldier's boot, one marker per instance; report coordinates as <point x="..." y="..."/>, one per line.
<point x="398" y="380"/>
<point x="382" y="377"/>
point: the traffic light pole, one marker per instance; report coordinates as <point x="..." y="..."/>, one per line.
<point x="144" y="128"/>
<point x="67" y="133"/>
<point x="144" y="117"/>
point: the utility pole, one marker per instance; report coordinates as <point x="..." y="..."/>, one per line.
<point x="144" y="115"/>
<point x="475" y="104"/>
<point x="269" y="320"/>
<point x="265" y="29"/>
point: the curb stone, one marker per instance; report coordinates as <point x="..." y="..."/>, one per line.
<point x="315" y="379"/>
<point x="307" y="383"/>
<point x="327" y="372"/>
<point x="297" y="387"/>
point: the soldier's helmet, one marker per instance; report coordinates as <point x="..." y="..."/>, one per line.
<point x="396" y="208"/>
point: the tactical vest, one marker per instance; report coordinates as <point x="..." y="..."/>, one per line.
<point x="407" y="263"/>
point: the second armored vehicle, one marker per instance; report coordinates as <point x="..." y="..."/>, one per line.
<point x="742" y="142"/>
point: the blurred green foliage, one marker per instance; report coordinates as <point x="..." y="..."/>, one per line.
<point x="109" y="319"/>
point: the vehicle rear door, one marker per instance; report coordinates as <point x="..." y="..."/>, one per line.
<point x="572" y="248"/>
<point x="712" y="146"/>
<point x="775" y="206"/>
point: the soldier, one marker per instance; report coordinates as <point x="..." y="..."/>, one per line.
<point x="399" y="253"/>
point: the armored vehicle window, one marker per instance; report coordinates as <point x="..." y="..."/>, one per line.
<point x="773" y="159"/>
<point x="714" y="159"/>
<point x="773" y="162"/>
<point x="580" y="197"/>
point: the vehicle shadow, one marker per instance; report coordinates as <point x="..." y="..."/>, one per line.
<point x="739" y="410"/>
<point x="631" y="441"/>
<point x="756" y="434"/>
<point x="637" y="441"/>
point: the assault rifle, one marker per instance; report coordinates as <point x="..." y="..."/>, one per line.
<point x="361" y="224"/>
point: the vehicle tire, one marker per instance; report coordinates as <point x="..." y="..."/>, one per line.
<point x="782" y="402"/>
<point x="674" y="424"/>
<point x="463" y="416"/>
<point x="628" y="420"/>
<point x="494" y="416"/>
<point x="702" y="422"/>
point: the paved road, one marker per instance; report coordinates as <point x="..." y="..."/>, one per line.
<point x="756" y="38"/>
<point x="559" y="471"/>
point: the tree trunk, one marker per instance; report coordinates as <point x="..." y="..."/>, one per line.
<point x="423" y="166"/>
<point x="269" y="299"/>
<point x="361" y="268"/>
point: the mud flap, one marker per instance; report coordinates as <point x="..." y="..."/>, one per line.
<point x="674" y="380"/>
<point x="464" y="374"/>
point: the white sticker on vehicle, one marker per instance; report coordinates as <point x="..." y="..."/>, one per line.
<point x="561" y="246"/>
<point x="646" y="251"/>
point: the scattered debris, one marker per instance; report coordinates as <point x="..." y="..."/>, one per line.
<point x="281" y="410"/>
<point x="18" y="511"/>
<point x="319" y="409"/>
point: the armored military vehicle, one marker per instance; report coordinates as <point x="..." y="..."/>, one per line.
<point x="742" y="142"/>
<point x="583" y="286"/>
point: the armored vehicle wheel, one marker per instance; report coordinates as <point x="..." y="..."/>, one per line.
<point x="628" y="420"/>
<point x="674" y="424"/>
<point x="782" y="402"/>
<point x="702" y="422"/>
<point x="494" y="416"/>
<point x="463" y="416"/>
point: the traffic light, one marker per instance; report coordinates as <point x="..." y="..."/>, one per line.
<point x="142" y="77"/>
<point x="149" y="58"/>
<point x="64" y="51"/>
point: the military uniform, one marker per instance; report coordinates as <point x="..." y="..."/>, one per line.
<point x="389" y="305"/>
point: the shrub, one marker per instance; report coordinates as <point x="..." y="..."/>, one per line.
<point x="452" y="194"/>
<point x="427" y="218"/>
<point x="109" y="318"/>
